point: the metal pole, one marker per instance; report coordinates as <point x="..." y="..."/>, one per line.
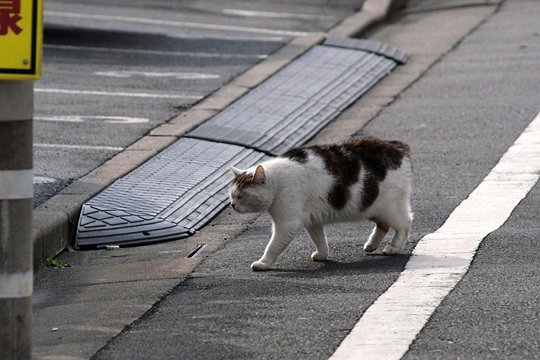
<point x="16" y="192"/>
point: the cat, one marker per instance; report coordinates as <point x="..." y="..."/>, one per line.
<point x="309" y="187"/>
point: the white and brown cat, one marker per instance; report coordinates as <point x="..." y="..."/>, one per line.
<point x="310" y="187"/>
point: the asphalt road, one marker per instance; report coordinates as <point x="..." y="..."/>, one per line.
<point x="459" y="118"/>
<point x="114" y="70"/>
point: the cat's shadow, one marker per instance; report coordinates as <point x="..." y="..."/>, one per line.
<point x="366" y="265"/>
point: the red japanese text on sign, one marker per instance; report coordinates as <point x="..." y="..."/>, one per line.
<point x="9" y="16"/>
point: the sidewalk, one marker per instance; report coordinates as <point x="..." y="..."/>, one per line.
<point x="77" y="310"/>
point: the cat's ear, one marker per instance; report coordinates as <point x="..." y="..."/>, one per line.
<point x="259" y="177"/>
<point x="237" y="172"/>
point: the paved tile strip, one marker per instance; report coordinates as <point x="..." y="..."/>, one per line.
<point x="166" y="198"/>
<point x="296" y="103"/>
<point x="372" y="46"/>
<point x="442" y="258"/>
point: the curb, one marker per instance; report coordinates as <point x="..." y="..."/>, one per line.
<point x="54" y="221"/>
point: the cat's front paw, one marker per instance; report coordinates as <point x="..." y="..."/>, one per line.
<point x="316" y="256"/>
<point x="391" y="250"/>
<point x="370" y="247"/>
<point x="260" y="266"/>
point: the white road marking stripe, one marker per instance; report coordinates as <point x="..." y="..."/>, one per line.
<point x="270" y="14"/>
<point x="101" y="118"/>
<point x="148" y="21"/>
<point x="223" y="36"/>
<point x="175" y="75"/>
<point x="43" y="180"/>
<point x="16" y="285"/>
<point x="79" y="147"/>
<point x="441" y="259"/>
<point x="16" y="184"/>
<point x="121" y="94"/>
<point x="156" y="52"/>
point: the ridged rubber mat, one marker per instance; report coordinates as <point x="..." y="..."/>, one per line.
<point x="379" y="48"/>
<point x="168" y="197"/>
<point x="296" y="103"/>
<point x="181" y="189"/>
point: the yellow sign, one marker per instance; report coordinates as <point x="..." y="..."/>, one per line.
<point x="20" y="39"/>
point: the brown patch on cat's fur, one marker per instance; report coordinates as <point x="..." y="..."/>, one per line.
<point x="299" y="155"/>
<point x="377" y="157"/>
<point x="341" y="163"/>
<point x="344" y="161"/>
<point x="243" y="181"/>
<point x="381" y="224"/>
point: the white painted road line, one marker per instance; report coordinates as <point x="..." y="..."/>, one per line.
<point x="151" y="74"/>
<point x="86" y="118"/>
<point x="120" y="94"/>
<point x="79" y="147"/>
<point x="275" y="15"/>
<point x="173" y="23"/>
<point x="441" y="259"/>
<point x="43" y="180"/>
<point x="155" y="52"/>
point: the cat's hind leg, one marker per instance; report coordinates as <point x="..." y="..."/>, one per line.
<point x="402" y="226"/>
<point x="378" y="234"/>
<point x="316" y="233"/>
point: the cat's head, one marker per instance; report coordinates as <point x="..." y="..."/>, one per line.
<point x="250" y="191"/>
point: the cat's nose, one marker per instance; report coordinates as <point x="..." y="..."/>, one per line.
<point x="233" y="205"/>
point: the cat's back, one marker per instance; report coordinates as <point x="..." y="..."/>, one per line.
<point x="351" y="175"/>
<point x="346" y="159"/>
